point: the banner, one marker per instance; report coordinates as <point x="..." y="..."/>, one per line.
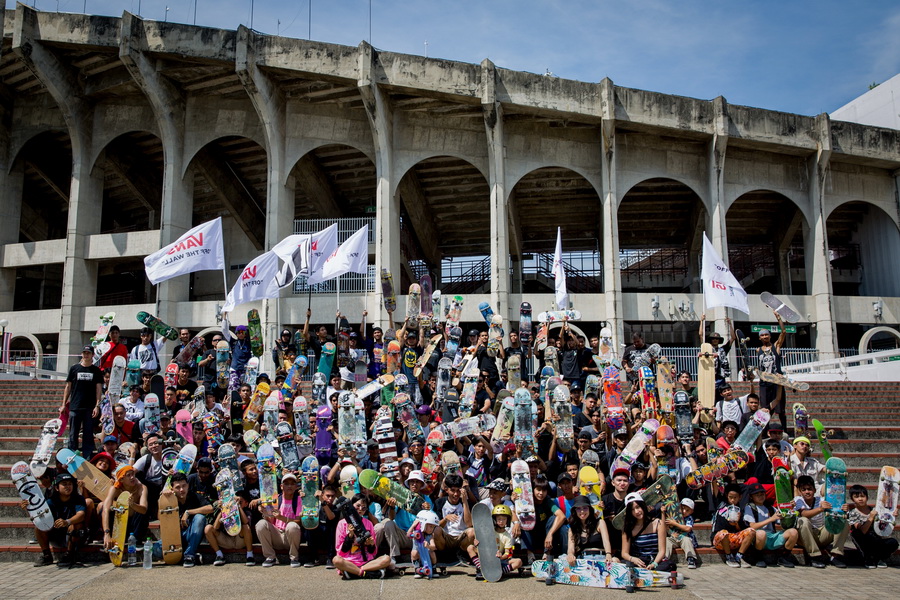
<point x="258" y="280"/>
<point x="720" y="287"/>
<point x="321" y="246"/>
<point x="200" y="249"/>
<point x="294" y="251"/>
<point x="351" y="257"/>
<point x="559" y="274"/>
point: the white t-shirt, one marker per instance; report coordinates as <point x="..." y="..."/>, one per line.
<point x="764" y="514"/>
<point x="453" y="528"/>
<point x="800" y="504"/>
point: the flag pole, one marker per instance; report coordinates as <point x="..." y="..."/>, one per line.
<point x="338" y="279"/>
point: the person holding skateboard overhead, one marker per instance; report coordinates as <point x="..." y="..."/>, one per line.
<point x="771" y="395"/>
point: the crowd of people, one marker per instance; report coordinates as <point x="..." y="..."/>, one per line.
<point x="746" y="529"/>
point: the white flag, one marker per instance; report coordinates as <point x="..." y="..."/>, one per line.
<point x="351" y="257"/>
<point x="258" y="280"/>
<point x="559" y="274"/>
<point x="321" y="246"/>
<point x="294" y="251"/>
<point x="720" y="287"/>
<point x="200" y="249"/>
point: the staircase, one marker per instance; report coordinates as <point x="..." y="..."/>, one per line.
<point x="863" y="417"/>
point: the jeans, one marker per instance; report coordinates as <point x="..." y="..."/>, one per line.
<point x="82" y="421"/>
<point x="193" y="535"/>
<point x="534" y="540"/>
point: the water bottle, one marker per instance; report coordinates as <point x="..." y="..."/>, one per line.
<point x="132" y="550"/>
<point x="148" y="554"/>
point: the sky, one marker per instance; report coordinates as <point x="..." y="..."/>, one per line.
<point x="794" y="56"/>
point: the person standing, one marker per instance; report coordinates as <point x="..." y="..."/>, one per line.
<point x="771" y="395"/>
<point x="81" y="398"/>
<point x="116" y="348"/>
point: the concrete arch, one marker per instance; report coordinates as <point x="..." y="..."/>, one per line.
<point x="871" y="333"/>
<point x="205" y="332"/>
<point x="36" y="343"/>
<point x="20" y="147"/>
<point x="405" y="164"/>
<point x="628" y="183"/>
<point x="513" y="180"/>
<point x="798" y="198"/>
<point x="878" y="205"/>
<point x="191" y="150"/>
<point x="298" y="153"/>
<point x="101" y="145"/>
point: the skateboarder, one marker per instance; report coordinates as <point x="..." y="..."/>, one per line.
<point x="184" y="338"/>
<point x="802" y="463"/>
<point x="147" y="351"/>
<point x="138" y="506"/>
<point x="280" y="527"/>
<point x="769" y="357"/>
<point x="454" y="532"/>
<point x="687" y="540"/>
<point x="218" y="538"/>
<point x="731" y="535"/>
<point x="761" y="518"/>
<point x="357" y="553"/>
<point x="643" y="537"/>
<point x="239" y="343"/>
<point x="116" y="348"/>
<point x="631" y="354"/>
<point x="550" y="520"/>
<point x="150" y="471"/>
<point x="721" y="366"/>
<point x="811" y="525"/>
<point x="192" y="510"/>
<point x="69" y="519"/>
<point x="81" y="399"/>
<point x="875" y="549"/>
<point x="502" y="515"/>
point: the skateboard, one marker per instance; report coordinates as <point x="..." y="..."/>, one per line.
<point x="487" y="313"/>
<point x="106" y="322"/>
<point x="184" y="462"/>
<point x="284" y="433"/>
<point x="646" y="358"/>
<point x="612" y="397"/>
<point x="253" y="440"/>
<point x="120" y="527"/>
<point x="392" y="357"/>
<point x="346" y="421"/>
<point x="183" y="424"/>
<point x="452" y="345"/>
<point x="443" y="380"/>
<point x="781" y="309"/>
<point x="106" y="415"/>
<point x="565" y="432"/>
<point x="406" y="414"/>
<point x="323" y="436"/>
<point x="94" y="480"/>
<point x="132" y="372"/>
<point x="706" y="377"/>
<point x="186" y="356"/>
<point x="483" y="523"/>
<point x="425" y="302"/>
<point x="270" y="415"/>
<point x="319" y="388"/>
<point x="552" y="316"/>
<point x="414" y="305"/>
<point x="425" y="568"/>
<point x="649" y="404"/>
<point x="374" y="386"/>
<point x="684" y="426"/>
<point x="163" y="329"/>
<point x="671" y="508"/>
<point x="752" y="430"/>
<point x="389" y="298"/>
<point x="450" y="407"/>
<point x="230" y="509"/>
<point x="495" y="336"/>
<point x="822" y="436"/>
<point x="591" y="487"/>
<point x="268" y="476"/>
<point x="456" y="305"/>
<point x="743" y="354"/>
<point x="309" y="485"/>
<point x="158" y="386"/>
<point x="592" y="385"/>
<point x="467" y="398"/>
<point x="551" y="358"/>
<point x="522" y="415"/>
<point x="521" y="487"/>
<point x="300" y="409"/>
<point x="170" y="528"/>
<point x="525" y="324"/>
<point x="717" y="466"/>
<point x="469" y="427"/>
<point x="801" y="419"/>
<point x="597" y="573"/>
<point x="151" y="414"/>
<point x="434" y="446"/>
<point x="226" y="458"/>
<point x="387" y="445"/>
<point x="255" y="332"/>
<point x="503" y="428"/>
<point x="347" y="479"/>
<point x="295" y="373"/>
<point x="636" y="445"/>
<point x="359" y="361"/>
<point x="780" y="379"/>
<point x="886" y="501"/>
<point x="784" y="493"/>
<point x="659" y="491"/>
<point x="44" y="450"/>
<point x="326" y="359"/>
<point x="116" y="378"/>
<point x="223" y="361"/>
<point x="665" y="385"/>
<point x="836" y="494"/>
<point x="589" y="459"/>
<point x="387" y="488"/>
<point x="450" y="463"/>
<point x="29" y="491"/>
<point x="251" y="372"/>
<point x="426" y="354"/>
<point x="125" y="453"/>
<point x="436" y="305"/>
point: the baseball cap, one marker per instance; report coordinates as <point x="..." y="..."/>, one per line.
<point x="575" y="386"/>
<point x="633" y="497"/>
<point x="621" y="471"/>
<point x="688" y="502"/>
<point x="407" y="461"/>
<point x="416" y="475"/>
<point x="370" y="443"/>
<point x="62" y="477"/>
<point x="497" y="485"/>
<point x="563" y="477"/>
<point x="580" y="501"/>
<point x="623" y="430"/>
<point x="639" y="465"/>
<point x="424" y="410"/>
<point x="755" y="489"/>
<point x="88" y="349"/>
<point x="110" y="438"/>
<point x="584" y="435"/>
<point x="802" y="438"/>
<point x="776" y="427"/>
<point x="289" y="476"/>
<point x="412" y="334"/>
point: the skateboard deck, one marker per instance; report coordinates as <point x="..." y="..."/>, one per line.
<point x="752" y="430"/>
<point x="521" y="487"/>
<point x="504" y="426"/>
<point x="589" y="459"/>
<point x="552" y="316"/>
<point x="452" y="346"/>
<point x="158" y="386"/>
<point x="186" y="356"/>
<point x="783" y="310"/>
<point x="684" y="426"/>
<point x="743" y="354"/>
<point x="251" y="372"/>
<point x="163" y="329"/>
<point x="822" y="435"/>
<point x="706" y="377"/>
<point x="223" y="361"/>
<point x="646" y="358"/>
<point x="319" y="389"/>
<point x="29" y="491"/>
<point x="346" y="421"/>
<point x="414" y="305"/>
<point x="453" y="314"/>
<point x="347" y="479"/>
<point x="784" y="493"/>
<point x="106" y="322"/>
<point x="406" y="414"/>
<point x="386" y="488"/>
<point x="596" y="573"/>
<point x="44" y="450"/>
<point x="230" y="509"/>
<point x="649" y="403"/>
<point x="612" y="398"/>
<point x="326" y="359"/>
<point x="523" y="434"/>
<point x="255" y="332"/>
<point x="268" y="476"/>
<point x="185" y="461"/>
<point x="374" y="386"/>
<point x="324" y="438"/>
<point x="183" y="424"/>
<point x="125" y="453"/>
<point x="434" y="446"/>
<point x="779" y="379"/>
<point x="717" y="466"/>
<point x="425" y="568"/>
<point x="665" y="385"/>
<point x="886" y="501"/>
<point x="392" y="357"/>
<point x="565" y="432"/>
<point x="801" y="419"/>
<point x="495" y="336"/>
<point x="636" y="445"/>
<point x="284" y="433"/>
<point x="95" y="481"/>
<point x="300" y="410"/>
<point x="309" y="485"/>
<point x="151" y="414"/>
<point x="116" y="379"/>
<point x="591" y="487"/>
<point x="119" y="528"/>
<point x="442" y="384"/>
<point x="387" y="445"/>
<point x="525" y="324"/>
<point x="132" y="372"/>
<point x="450" y="463"/>
<point x="170" y="529"/>
<point x="226" y="458"/>
<point x="270" y="415"/>
<point x="389" y="298"/>
<point x="426" y="304"/>
<point x="836" y="494"/>
<point x="426" y="354"/>
<point x="468" y="427"/>
<point x="551" y="358"/>
<point x="661" y="490"/>
<point x="487" y="543"/>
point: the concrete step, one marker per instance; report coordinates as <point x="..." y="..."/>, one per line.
<point x="865" y="459"/>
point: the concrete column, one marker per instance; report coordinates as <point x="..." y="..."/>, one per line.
<point x="493" y="125"/>
<point x="718" y="147"/>
<point x="817" y="264"/>
<point x="270" y="105"/>
<point x="609" y="205"/>
<point x="387" y="199"/>
<point x="11" y="183"/>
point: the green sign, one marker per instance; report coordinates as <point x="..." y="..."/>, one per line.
<point x="773" y="328"/>
<point x="371" y="210"/>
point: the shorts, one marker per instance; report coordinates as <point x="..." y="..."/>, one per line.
<point x="775" y="540"/>
<point x="229" y="542"/>
<point x="734" y="539"/>
<point x="453" y="542"/>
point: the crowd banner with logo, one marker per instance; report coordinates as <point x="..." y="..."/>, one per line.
<point x="258" y="280"/>
<point x="720" y="286"/>
<point x="199" y="249"/>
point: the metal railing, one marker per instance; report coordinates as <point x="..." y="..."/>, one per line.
<point x="685" y="358"/>
<point x="351" y="283"/>
<point x="584" y="270"/>
<point x="24" y="362"/>
<point x="464" y="276"/>
<point x="346" y="227"/>
<point x="654" y="262"/>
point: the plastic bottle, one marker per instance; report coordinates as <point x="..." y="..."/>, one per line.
<point x="132" y="550"/>
<point x="148" y="554"/>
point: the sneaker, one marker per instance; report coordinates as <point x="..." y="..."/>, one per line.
<point x="691" y="562"/>
<point x="838" y="562"/>
<point x="345" y="575"/>
<point x="746" y="564"/>
<point x="478" y="575"/>
<point x="761" y="564"/>
<point x="188" y="562"/>
<point x="295" y="563"/>
<point x="250" y="562"/>
<point x="310" y="563"/>
<point x="731" y="561"/>
<point x="219" y="562"/>
<point x="382" y="573"/>
<point x="881" y="564"/>
<point x="329" y="564"/>
<point x="816" y="563"/>
<point x="783" y="561"/>
<point x="270" y="562"/>
<point x="871" y="566"/>
<point x="529" y="558"/>
<point x="65" y="561"/>
<point x="43" y="560"/>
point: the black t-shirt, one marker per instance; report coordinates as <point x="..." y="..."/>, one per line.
<point x="191" y="501"/>
<point x="84" y="382"/>
<point x="67" y="509"/>
<point x="571" y="371"/>
<point x="544" y="511"/>
<point x="184" y="392"/>
<point x="207" y="491"/>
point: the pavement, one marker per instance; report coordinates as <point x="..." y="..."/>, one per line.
<point x="22" y="581"/>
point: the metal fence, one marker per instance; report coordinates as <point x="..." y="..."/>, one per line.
<point x="351" y="283"/>
<point x="685" y="357"/>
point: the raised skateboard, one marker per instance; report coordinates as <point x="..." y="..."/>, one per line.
<point x="649" y="404"/>
<point x="151" y="414"/>
<point x="295" y="373"/>
<point x="256" y="405"/>
<point x="612" y="397"/>
<point x="836" y="494"/>
<point x="132" y="372"/>
<point x="414" y="305"/>
<point x="125" y="454"/>
<point x="425" y="306"/>
<point x="185" y="461"/>
<point x="504" y="426"/>
<point x="251" y="372"/>
<point x="270" y="415"/>
<point x="822" y="435"/>
<point x="309" y="485"/>
<point x="163" y="329"/>
<point x="284" y="433"/>
<point x="752" y="430"/>
<point x="592" y="385"/>
<point x="158" y="386"/>
<point x="801" y="419"/>
<point x="94" y="480"/>
<point x="886" y="501"/>
<point x="565" y="432"/>
<point x="486" y="539"/>
<point x="495" y="336"/>
<point x="552" y="316"/>
<point x="784" y="493"/>
<point x="347" y="479"/>
<point x="426" y="354"/>
<point x="636" y="445"/>
<point x="116" y="378"/>
<point x="467" y="398"/>
<point x="659" y="491"/>
<point x="406" y="414"/>
<point x="589" y="458"/>
<point x="391" y="357"/>
<point x="646" y="358"/>
<point x="684" y="426"/>
<point x="387" y="488"/>
<point x="450" y="463"/>
<point x="268" y="484"/>
<point x="170" y="528"/>
<point x="387" y="445"/>
<point x="551" y="358"/>
<point x="597" y="573"/>
<point x="230" y="509"/>
<point x="706" y="377"/>
<point x="374" y="386"/>
<point x="106" y="322"/>
<point x="523" y="434"/>
<point x="525" y="324"/>
<point x="223" y="362"/>
<point x="326" y="359"/>
<point x="186" y="356"/>
<point x="389" y="298"/>
<point x="44" y="450"/>
<point x="665" y="385"/>
<point x="591" y="487"/>
<point x="226" y="458"/>
<point x="743" y="354"/>
<point x="781" y="309"/>
<point x="456" y="305"/>
<point x="29" y="491"/>
<point x="717" y="466"/>
<point x="452" y="346"/>
<point x="120" y="510"/>
<point x="319" y="388"/>
<point x="324" y="438"/>
<point x="442" y="384"/>
<point x="521" y="488"/>
<point x="255" y="332"/>
<point x="346" y="421"/>
<point x="434" y="446"/>
<point x="468" y="427"/>
<point x="300" y="410"/>
<point x="780" y="379"/>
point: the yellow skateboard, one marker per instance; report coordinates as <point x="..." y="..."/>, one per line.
<point x="119" y="528"/>
<point x="170" y="529"/>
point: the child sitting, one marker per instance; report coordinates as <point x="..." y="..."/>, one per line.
<point x="683" y="534"/>
<point x="875" y="549"/>
<point x="501" y="515"/>
<point x="811" y="525"/>
<point x="731" y="535"/>
<point x="762" y="519"/>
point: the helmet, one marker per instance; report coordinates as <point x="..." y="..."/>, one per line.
<point x="428" y="517"/>
<point x="501" y="509"/>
